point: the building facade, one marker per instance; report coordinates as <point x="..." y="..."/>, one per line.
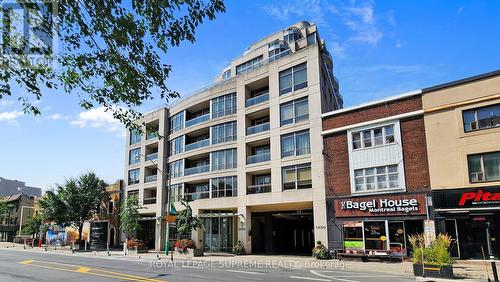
<point x="376" y="174"/>
<point x="21" y="208"/>
<point x="242" y="150"/>
<point x="11" y="187"/>
<point x="462" y="121"/>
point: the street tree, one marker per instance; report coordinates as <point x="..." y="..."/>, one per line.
<point x="33" y="225"/>
<point x="186" y="222"/>
<point x="75" y="201"/>
<point x="129" y="217"/>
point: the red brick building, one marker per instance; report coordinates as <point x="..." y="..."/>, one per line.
<point x="377" y="177"/>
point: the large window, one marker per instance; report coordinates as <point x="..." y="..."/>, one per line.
<point x="480" y="118"/>
<point x="224" y="105"/>
<point x="484" y="167"/>
<point x="224" y="187"/>
<point x="293" y="79"/>
<point x="135" y="137"/>
<point x="225" y="132"/>
<point x="177" y="122"/>
<point x="224" y="159"/>
<point x="373" y="137"/>
<point x="296" y="177"/>
<point x="249" y="65"/>
<point x="196" y="191"/>
<point x="376" y="178"/>
<point x="176" y="192"/>
<point x="176" y="169"/>
<point x="295" y="144"/>
<point x="133" y="176"/>
<point x="294" y="111"/>
<point x="134" y="156"/>
<point x="177" y="146"/>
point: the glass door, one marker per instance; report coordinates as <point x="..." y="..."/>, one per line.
<point x="218" y="234"/>
<point x="397" y="237"/>
<point x="375" y="235"/>
<point x="450" y="226"/>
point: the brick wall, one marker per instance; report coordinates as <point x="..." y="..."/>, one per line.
<point x="337" y="178"/>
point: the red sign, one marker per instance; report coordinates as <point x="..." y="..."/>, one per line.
<point x="389" y="205"/>
<point x="478" y="197"/>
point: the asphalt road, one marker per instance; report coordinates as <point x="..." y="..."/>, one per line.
<point x="23" y="265"/>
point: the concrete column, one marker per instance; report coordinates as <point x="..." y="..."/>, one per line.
<point x="245" y="227"/>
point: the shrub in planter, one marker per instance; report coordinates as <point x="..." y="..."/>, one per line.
<point x="433" y="260"/>
<point x="239" y="248"/>
<point x="136" y="244"/>
<point x="320" y="251"/>
<point x="184" y="244"/>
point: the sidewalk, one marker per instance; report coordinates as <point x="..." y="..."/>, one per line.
<point x="462" y="269"/>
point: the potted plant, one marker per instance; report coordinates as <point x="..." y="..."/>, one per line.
<point x="320" y="251"/>
<point x="187" y="223"/>
<point x="136" y="246"/>
<point x="433" y="260"/>
<point x="239" y="248"/>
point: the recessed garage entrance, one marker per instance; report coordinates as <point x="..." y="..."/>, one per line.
<point x="282" y="232"/>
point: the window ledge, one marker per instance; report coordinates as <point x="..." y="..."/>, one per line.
<point x="378" y="192"/>
<point x="374" y="147"/>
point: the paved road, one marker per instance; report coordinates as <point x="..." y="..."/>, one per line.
<point x="25" y="265"/>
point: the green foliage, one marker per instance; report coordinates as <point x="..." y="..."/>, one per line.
<point x="320" y="251"/>
<point x="33" y="225"/>
<point x="437" y="253"/>
<point x="186" y="222"/>
<point x="5" y="209"/>
<point x="110" y="53"/>
<point x="76" y="201"/>
<point x="129" y="216"/>
<point x="239" y="248"/>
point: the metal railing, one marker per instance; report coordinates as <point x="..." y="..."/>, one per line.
<point x="152" y="156"/>
<point x="149" y="201"/>
<point x="198" y="144"/>
<point x="259" y="188"/>
<point x="258" y="158"/>
<point x="196" y="169"/>
<point x="151" y="178"/>
<point x="197" y="120"/>
<point x="257" y="99"/>
<point x="258" y="128"/>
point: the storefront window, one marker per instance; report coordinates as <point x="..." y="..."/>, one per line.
<point x="353" y="235"/>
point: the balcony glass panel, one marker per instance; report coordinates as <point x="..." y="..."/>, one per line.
<point x="258" y="158"/>
<point x="257" y="100"/>
<point x="150" y="178"/>
<point x="152" y="156"/>
<point x="151" y="135"/>
<point x="197" y="120"/>
<point x="260" y="188"/>
<point x="258" y="128"/>
<point x="196" y="169"/>
<point x="149" y="201"/>
<point x="199" y="144"/>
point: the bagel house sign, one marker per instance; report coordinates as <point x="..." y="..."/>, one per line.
<point x="386" y="205"/>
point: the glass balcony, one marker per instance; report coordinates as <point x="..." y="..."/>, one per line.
<point x="196" y="169"/>
<point x="152" y="156"/>
<point x="257" y="99"/>
<point x="258" y="128"/>
<point x="258" y="158"/>
<point x="151" y="135"/>
<point x="150" y="178"/>
<point x="196" y="145"/>
<point x="259" y="188"/>
<point x="149" y="201"/>
<point x="197" y="120"/>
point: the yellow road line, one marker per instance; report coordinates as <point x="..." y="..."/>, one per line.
<point x="87" y="270"/>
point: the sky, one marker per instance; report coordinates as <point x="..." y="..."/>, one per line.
<point x="380" y="48"/>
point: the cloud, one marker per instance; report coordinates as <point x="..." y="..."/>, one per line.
<point x="98" y="118"/>
<point x="460" y="9"/>
<point x="361" y="20"/>
<point x="305" y="9"/>
<point x="399" y="43"/>
<point x="57" y="116"/>
<point x="6" y="103"/>
<point x="10" y="117"/>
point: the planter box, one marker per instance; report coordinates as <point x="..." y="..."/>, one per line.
<point x="436" y="271"/>
<point x="137" y="251"/>
<point x="190" y="253"/>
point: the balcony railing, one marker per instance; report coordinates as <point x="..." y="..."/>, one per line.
<point x="198" y="144"/>
<point x="196" y="169"/>
<point x="259" y="188"/>
<point x="258" y="158"/>
<point x="197" y="120"/>
<point x="152" y="156"/>
<point x="197" y="195"/>
<point x="257" y="99"/>
<point x="151" y="178"/>
<point x="149" y="201"/>
<point x="296" y="152"/>
<point x="258" y="128"/>
<point x="151" y="135"/>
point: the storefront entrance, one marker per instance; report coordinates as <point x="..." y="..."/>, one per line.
<point x="283" y="232"/>
<point x="147" y="232"/>
<point x="219" y="234"/>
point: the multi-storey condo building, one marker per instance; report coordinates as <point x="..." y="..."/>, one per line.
<point x="243" y="150"/>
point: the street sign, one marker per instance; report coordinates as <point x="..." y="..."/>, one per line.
<point x="170" y="218"/>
